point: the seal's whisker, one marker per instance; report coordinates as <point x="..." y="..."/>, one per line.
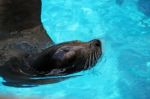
<point x="87" y="62"/>
<point x="90" y="61"/>
<point x="93" y="58"/>
<point x="96" y="56"/>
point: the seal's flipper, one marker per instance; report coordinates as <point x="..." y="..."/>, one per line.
<point x="19" y="17"/>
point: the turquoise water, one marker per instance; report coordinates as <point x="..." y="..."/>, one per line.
<point x="124" y="28"/>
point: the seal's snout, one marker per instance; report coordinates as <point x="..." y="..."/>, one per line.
<point x="96" y="42"/>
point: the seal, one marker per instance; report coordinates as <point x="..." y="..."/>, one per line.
<point x="27" y="52"/>
<point x="57" y="60"/>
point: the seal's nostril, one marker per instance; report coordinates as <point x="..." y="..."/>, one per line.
<point x="97" y="42"/>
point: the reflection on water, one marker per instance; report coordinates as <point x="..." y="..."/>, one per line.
<point x="123" y="72"/>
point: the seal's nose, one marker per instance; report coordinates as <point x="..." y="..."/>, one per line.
<point x="96" y="42"/>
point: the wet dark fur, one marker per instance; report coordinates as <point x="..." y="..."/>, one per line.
<point x="27" y="53"/>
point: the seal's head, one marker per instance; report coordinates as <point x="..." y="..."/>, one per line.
<point x="68" y="57"/>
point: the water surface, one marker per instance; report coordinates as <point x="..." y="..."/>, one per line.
<point x="124" y="28"/>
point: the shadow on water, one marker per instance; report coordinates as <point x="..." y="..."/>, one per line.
<point x="144" y="7"/>
<point x="119" y="2"/>
<point x="17" y="79"/>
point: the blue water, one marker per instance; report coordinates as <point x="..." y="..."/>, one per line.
<point x="124" y="29"/>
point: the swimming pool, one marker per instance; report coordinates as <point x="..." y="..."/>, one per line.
<point x="124" y="28"/>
